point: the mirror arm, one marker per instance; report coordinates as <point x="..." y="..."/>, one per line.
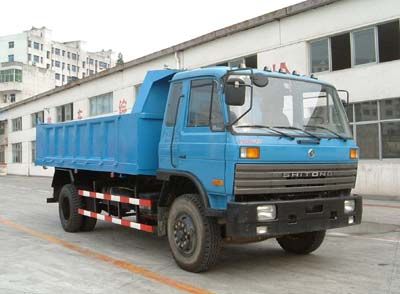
<point x="229" y="126"/>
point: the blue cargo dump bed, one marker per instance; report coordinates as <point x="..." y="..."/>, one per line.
<point x="119" y="143"/>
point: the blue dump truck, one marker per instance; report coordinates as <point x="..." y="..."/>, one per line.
<point x="208" y="156"/>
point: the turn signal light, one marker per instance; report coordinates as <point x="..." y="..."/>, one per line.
<point x="353" y="153"/>
<point x="250" y="152"/>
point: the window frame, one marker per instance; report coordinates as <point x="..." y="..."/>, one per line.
<point x="15" y="156"/>
<point x="379" y="121"/>
<point x="96" y="99"/>
<point x="215" y="83"/>
<point x="352" y="46"/>
<point x="16" y="127"/>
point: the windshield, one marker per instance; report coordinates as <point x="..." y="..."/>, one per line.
<point x="296" y="107"/>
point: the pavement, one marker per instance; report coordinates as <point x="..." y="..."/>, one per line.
<point x="37" y="256"/>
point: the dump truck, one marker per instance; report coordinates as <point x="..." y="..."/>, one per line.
<point x="208" y="156"/>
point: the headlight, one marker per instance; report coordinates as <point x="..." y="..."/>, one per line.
<point x="349" y="206"/>
<point x="250" y="152"/>
<point x="266" y="212"/>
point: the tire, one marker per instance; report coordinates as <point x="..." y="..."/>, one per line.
<point x="68" y="205"/>
<point x="88" y="223"/>
<point x="202" y="235"/>
<point x="303" y="243"/>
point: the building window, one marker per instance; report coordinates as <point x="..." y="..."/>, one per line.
<point x="11" y="44"/>
<point x="48" y="66"/>
<point x="57" y="76"/>
<point x="35" y="59"/>
<point x="2" y="154"/>
<point x="11" y="58"/>
<point x="16" y="152"/>
<point x="57" y="51"/>
<point x="101" y="104"/>
<point x="364" y="46"/>
<point x="41" y="59"/>
<point x="91" y="72"/>
<point x="74" y="68"/>
<point x="73" y="55"/>
<point x="63" y="53"/>
<point x="36" y="118"/>
<point x="63" y="79"/>
<point x="29" y="57"/>
<point x="12" y="98"/>
<point x="356" y="48"/>
<point x="10" y="75"/>
<point x="63" y="65"/>
<point x="389" y="41"/>
<point x="376" y="127"/>
<point x="83" y="64"/>
<point x="3" y="127"/>
<point x="48" y="54"/>
<point x="91" y="61"/>
<point x="68" y="67"/>
<point x="341" y="52"/>
<point x="68" y="54"/>
<point x="33" y="151"/>
<point x="41" y="47"/>
<point x="16" y="124"/>
<point x="64" y="112"/>
<point x="36" y="45"/>
<point x="366" y="111"/>
<point x="319" y="55"/>
<point x="56" y="63"/>
<point x="29" y="43"/>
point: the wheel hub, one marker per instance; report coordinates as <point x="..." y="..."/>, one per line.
<point x="185" y="234"/>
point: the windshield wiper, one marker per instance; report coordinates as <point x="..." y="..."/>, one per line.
<point x="268" y="128"/>
<point x="298" y="129"/>
<point x="327" y="129"/>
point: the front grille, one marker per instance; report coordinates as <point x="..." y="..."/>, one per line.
<point x="251" y="179"/>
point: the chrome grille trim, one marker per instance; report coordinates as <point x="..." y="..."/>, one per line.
<point x="270" y="179"/>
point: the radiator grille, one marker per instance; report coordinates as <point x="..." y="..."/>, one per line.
<point x="253" y="179"/>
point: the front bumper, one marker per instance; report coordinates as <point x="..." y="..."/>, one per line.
<point x="292" y="217"/>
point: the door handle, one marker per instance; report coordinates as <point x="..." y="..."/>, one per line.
<point x="182" y="156"/>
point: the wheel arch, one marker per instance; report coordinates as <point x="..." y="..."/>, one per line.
<point x="170" y="178"/>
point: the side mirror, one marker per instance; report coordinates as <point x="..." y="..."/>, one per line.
<point x="260" y="80"/>
<point x="344" y="97"/>
<point x="235" y="92"/>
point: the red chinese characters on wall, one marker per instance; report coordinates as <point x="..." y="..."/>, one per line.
<point x="123" y="106"/>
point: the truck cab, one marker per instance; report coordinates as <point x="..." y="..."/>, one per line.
<point x="271" y="154"/>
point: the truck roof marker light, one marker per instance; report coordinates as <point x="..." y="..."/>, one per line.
<point x="250" y="152"/>
<point x="266" y="68"/>
<point x="353" y="153"/>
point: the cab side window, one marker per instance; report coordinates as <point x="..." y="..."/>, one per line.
<point x="172" y="107"/>
<point x="203" y="99"/>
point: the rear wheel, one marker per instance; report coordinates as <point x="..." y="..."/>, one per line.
<point x="303" y="243"/>
<point x="194" y="239"/>
<point x="68" y="204"/>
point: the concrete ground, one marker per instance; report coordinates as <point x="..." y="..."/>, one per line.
<point x="37" y="256"/>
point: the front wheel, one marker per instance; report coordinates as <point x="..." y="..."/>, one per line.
<point x="303" y="243"/>
<point x="194" y="239"/>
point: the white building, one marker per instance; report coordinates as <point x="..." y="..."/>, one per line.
<point x="353" y="44"/>
<point x="57" y="63"/>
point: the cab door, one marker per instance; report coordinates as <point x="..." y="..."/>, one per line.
<point x="200" y="145"/>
